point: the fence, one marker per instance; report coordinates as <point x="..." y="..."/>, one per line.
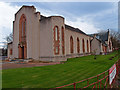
<point x="102" y="81"/>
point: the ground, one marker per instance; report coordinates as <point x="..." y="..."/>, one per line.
<point x="10" y="65"/>
<point x="75" y="69"/>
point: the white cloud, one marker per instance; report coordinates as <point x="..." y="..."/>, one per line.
<point x="62" y="0"/>
<point x="6" y="19"/>
<point x="85" y="23"/>
<point x="86" y="27"/>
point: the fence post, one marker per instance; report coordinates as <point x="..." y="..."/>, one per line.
<point x="100" y="84"/>
<point x="74" y="86"/>
<point x="104" y="75"/>
<point x="116" y="68"/>
<point x="87" y="81"/>
<point x="109" y="86"/>
<point x="94" y="85"/>
<point x="97" y="81"/>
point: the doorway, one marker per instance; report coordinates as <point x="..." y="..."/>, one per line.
<point x="22" y="54"/>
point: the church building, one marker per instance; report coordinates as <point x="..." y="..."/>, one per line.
<point x="45" y="38"/>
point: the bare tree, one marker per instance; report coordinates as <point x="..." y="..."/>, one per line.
<point x="115" y="37"/>
<point x="8" y="39"/>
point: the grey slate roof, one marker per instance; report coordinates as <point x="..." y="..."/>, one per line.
<point x="102" y="37"/>
<point x="74" y="29"/>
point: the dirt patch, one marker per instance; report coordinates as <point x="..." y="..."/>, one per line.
<point x="21" y="65"/>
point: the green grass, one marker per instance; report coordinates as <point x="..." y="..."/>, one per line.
<point x="75" y="69"/>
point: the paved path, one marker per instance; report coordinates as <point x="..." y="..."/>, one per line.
<point x="21" y="65"/>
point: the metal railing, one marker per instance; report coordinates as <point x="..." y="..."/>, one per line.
<point x="100" y="81"/>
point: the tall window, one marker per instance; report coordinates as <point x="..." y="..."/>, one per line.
<point x="10" y="51"/>
<point x="78" y="46"/>
<point x="103" y="48"/>
<point x="56" y="50"/>
<point x="87" y="46"/>
<point x="83" y="44"/>
<point x="71" y="44"/>
<point x="25" y="28"/>
<point x="56" y="40"/>
<point x="22" y="37"/>
<point x="56" y="33"/>
<point x="22" y="29"/>
<point x="63" y="42"/>
<point x="110" y="45"/>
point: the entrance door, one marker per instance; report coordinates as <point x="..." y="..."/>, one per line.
<point x="22" y="52"/>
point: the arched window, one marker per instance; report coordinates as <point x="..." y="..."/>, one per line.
<point x="56" y="40"/>
<point x="22" y="28"/>
<point x="10" y="51"/>
<point x="56" y="33"/>
<point x="87" y="46"/>
<point x="63" y="42"/>
<point x="103" y="47"/>
<point x="78" y="46"/>
<point x="83" y="44"/>
<point x="71" y="44"/>
<point x="110" y="45"/>
<point x="22" y="37"/>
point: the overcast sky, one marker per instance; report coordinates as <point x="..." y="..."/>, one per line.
<point x="87" y="16"/>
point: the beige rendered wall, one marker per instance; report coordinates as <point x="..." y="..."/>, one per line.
<point x="68" y="34"/>
<point x="57" y="21"/>
<point x="8" y="51"/>
<point x="46" y="38"/>
<point x="96" y="46"/>
<point x="32" y="32"/>
<point x="40" y="36"/>
<point x="107" y="42"/>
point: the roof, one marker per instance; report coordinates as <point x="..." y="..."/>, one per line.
<point x="99" y="41"/>
<point x="25" y="7"/>
<point x="102" y="36"/>
<point x="74" y="29"/>
<point x="10" y="43"/>
<point x="44" y="18"/>
<point x="66" y="26"/>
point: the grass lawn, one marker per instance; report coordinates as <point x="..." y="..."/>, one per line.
<point x="75" y="69"/>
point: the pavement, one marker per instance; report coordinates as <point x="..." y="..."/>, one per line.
<point x="11" y="65"/>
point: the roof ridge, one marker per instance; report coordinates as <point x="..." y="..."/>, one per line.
<point x="74" y="29"/>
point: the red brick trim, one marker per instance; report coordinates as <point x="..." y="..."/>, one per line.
<point x="87" y="46"/>
<point x="22" y="39"/>
<point x="78" y="45"/>
<point x="103" y="47"/>
<point x="83" y="45"/>
<point x="63" y="41"/>
<point x="109" y="45"/>
<point x="71" y="45"/>
<point x="11" y="51"/>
